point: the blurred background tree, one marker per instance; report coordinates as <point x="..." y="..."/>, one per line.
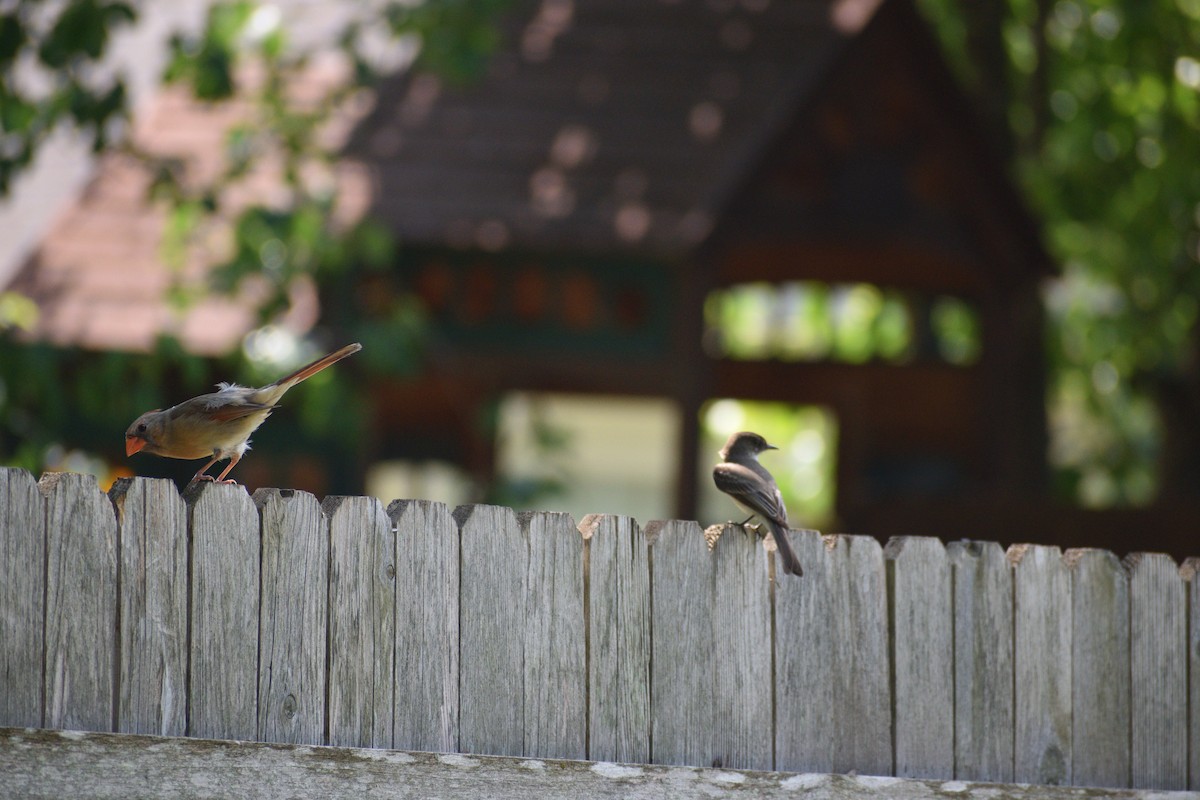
<point x="1098" y="101"/>
<point x="58" y="406"/>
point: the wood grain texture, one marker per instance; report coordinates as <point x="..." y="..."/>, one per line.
<point x="22" y="598"/>
<point x="152" y="686"/>
<point x="922" y="633"/>
<point x="292" y="617"/>
<point x="555" y="659"/>
<point x="832" y="673"/>
<point x="491" y="632"/>
<point x="81" y="603"/>
<point x="618" y="639"/>
<point x="1100" y="668"/>
<point x="362" y="622"/>
<point x="1159" y="701"/>
<point x="864" y="694"/>
<point x="1191" y="573"/>
<point x="426" y="673"/>
<point x="46" y="765"/>
<point x="1042" y="665"/>
<point x="804" y="660"/>
<point x="681" y="662"/>
<point x="983" y="662"/>
<point x="742" y="639"/>
<point x="495" y="564"/>
<point x="225" y="546"/>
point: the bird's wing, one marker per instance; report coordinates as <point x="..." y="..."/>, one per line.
<point x="229" y="404"/>
<point x="751" y="490"/>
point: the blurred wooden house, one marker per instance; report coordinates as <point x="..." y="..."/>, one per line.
<point x="566" y="218"/>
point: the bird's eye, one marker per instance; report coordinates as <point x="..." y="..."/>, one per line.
<point x="141" y="428"/>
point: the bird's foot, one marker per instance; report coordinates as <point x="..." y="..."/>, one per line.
<point x="746" y="527"/>
<point x="211" y="479"/>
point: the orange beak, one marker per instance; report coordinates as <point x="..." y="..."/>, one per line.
<point x="133" y="444"/>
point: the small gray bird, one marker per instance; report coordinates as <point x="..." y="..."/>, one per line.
<point x="217" y="425"/>
<point x="740" y="476"/>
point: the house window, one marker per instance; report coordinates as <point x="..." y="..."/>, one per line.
<point x="850" y="323"/>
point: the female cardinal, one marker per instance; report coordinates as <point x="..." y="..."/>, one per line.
<point x="217" y="425"/>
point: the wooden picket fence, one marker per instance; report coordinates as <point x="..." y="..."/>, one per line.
<point x="277" y="618"/>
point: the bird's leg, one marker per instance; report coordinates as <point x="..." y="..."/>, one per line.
<point x="232" y="462"/>
<point x="200" y="476"/>
<point x="745" y="526"/>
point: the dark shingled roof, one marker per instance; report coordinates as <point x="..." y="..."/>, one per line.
<point x="601" y="124"/>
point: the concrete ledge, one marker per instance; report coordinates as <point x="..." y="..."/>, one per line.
<point x="57" y="764"/>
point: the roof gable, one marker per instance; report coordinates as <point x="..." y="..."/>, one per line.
<point x="883" y="175"/>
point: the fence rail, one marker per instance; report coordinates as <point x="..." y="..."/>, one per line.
<point x="277" y="618"/>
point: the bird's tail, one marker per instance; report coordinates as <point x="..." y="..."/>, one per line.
<point x="791" y="564"/>
<point x="283" y="384"/>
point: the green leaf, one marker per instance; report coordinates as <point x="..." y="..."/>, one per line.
<point x="208" y="63"/>
<point x="82" y="31"/>
<point x="13" y="37"/>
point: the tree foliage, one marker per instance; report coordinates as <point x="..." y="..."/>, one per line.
<point x="1100" y="100"/>
<point x="49" y="55"/>
<point x="53" y="72"/>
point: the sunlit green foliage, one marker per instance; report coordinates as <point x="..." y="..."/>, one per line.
<point x="1105" y="116"/>
<point x="207" y="63"/>
<point x="457" y="36"/>
<point x="956" y="330"/>
<point x="852" y="323"/>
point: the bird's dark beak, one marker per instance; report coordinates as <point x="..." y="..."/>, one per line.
<point x="133" y="444"/>
<point x="772" y="447"/>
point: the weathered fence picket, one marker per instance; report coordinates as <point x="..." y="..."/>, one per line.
<point x="618" y="596"/>
<point x="426" y="673"/>
<point x="833" y="695"/>
<point x="362" y="622"/>
<point x="1191" y="572"/>
<point x="492" y="631"/>
<point x="153" y="606"/>
<point x="293" y="608"/>
<point x="223" y="681"/>
<point x="1099" y="668"/>
<point x="739" y="667"/>
<point x="922" y="622"/>
<point x="22" y="598"/>
<point x="554" y="655"/>
<point x="983" y="662"/>
<point x="1042" y="661"/>
<point x="81" y="604"/>
<point x="281" y="619"/>
<point x="681" y="661"/>
<point x="711" y="678"/>
<point x="1158" y="640"/>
